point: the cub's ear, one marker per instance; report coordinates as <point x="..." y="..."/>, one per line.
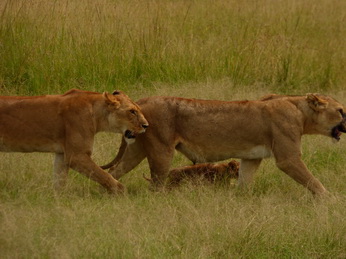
<point x="316" y="103"/>
<point x="112" y="103"/>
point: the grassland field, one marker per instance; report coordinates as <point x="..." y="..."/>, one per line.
<point x="228" y="50"/>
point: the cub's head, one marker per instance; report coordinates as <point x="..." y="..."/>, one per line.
<point x="227" y="171"/>
<point x="124" y="116"/>
<point x="328" y="117"/>
<point x="233" y="169"/>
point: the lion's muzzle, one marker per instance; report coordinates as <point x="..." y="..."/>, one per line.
<point x="132" y="135"/>
<point x="144" y="127"/>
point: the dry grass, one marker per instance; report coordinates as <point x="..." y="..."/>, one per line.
<point x="277" y="219"/>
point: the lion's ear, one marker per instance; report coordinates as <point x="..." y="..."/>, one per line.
<point x="268" y="97"/>
<point x="316" y="103"/>
<point x="113" y="103"/>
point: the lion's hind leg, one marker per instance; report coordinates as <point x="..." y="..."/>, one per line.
<point x="247" y="170"/>
<point x="60" y="171"/>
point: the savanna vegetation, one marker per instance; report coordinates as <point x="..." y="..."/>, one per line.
<point x="201" y="49"/>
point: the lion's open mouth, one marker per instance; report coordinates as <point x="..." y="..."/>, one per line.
<point x="336" y="133"/>
<point x="337" y="130"/>
<point x="129" y="134"/>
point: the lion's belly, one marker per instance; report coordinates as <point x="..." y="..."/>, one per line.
<point x="255" y="153"/>
<point x="200" y="154"/>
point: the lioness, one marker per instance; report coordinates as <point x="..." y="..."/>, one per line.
<point x="66" y="125"/>
<point x="208" y="131"/>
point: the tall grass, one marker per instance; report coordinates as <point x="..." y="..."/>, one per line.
<point x="51" y="46"/>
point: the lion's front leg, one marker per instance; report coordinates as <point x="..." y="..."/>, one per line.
<point x="60" y="171"/>
<point x="247" y="170"/>
<point x="287" y="155"/>
<point x="83" y="164"/>
<point x="160" y="161"/>
<point x="295" y="168"/>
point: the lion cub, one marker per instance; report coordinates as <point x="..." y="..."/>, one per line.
<point x="213" y="173"/>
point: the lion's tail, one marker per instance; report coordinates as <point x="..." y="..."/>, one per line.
<point x="118" y="156"/>
<point x="147" y="178"/>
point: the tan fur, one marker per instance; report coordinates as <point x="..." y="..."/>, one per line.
<point x="66" y="125"/>
<point x="209" y="131"/>
<point x="213" y="173"/>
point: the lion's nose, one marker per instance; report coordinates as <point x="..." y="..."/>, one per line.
<point x="144" y="126"/>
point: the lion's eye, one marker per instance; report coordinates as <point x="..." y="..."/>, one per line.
<point x="133" y="112"/>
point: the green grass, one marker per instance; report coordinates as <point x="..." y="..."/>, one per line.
<point x="51" y="46"/>
<point x="200" y="49"/>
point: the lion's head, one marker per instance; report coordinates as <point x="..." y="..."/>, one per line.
<point x="125" y="115"/>
<point x="329" y="116"/>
